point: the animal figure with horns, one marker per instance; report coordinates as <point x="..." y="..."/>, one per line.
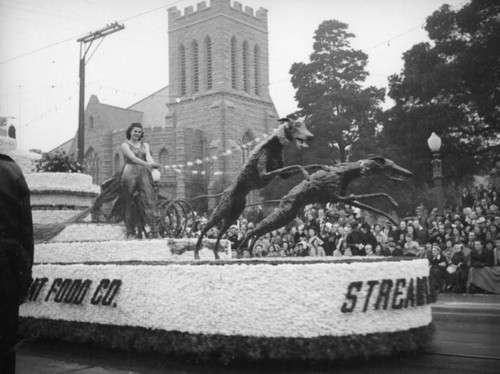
<point x="265" y="163"/>
<point x="328" y="185"/>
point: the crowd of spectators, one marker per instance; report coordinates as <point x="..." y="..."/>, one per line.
<point x="454" y="241"/>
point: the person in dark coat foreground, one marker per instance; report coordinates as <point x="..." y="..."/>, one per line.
<point x="16" y="256"/>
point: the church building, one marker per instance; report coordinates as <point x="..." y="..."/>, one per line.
<point x="215" y="108"/>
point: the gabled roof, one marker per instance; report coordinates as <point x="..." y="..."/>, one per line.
<point x="149" y="109"/>
<point x="112" y="117"/>
<point x="161" y="95"/>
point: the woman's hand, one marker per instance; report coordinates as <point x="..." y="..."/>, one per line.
<point x="154" y="165"/>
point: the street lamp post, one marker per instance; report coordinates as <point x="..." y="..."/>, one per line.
<point x="434" y="143"/>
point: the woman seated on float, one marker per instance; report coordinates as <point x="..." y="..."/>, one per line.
<point x="136" y="182"/>
<point x="132" y="189"/>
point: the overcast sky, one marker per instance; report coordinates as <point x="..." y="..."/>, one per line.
<point x="39" y="54"/>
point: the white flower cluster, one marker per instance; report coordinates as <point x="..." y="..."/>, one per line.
<point x="55" y="216"/>
<point x="68" y="251"/>
<point x="72" y="182"/>
<point x="247" y="298"/>
<point x="88" y="232"/>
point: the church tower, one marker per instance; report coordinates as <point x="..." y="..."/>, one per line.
<point x="219" y="82"/>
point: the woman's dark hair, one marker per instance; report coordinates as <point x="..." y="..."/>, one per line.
<point x="128" y="133"/>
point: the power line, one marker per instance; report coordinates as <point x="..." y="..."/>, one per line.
<point x="388" y="41"/>
<point x="40" y="49"/>
<point x="55" y="109"/>
<point x="50" y="12"/>
<point x="165" y="6"/>
<point x="151" y="11"/>
<point x="82" y="35"/>
<point x="178" y="1"/>
<point x="37" y="88"/>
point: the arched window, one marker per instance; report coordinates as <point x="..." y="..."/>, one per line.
<point x="256" y="58"/>
<point x="91" y="122"/>
<point x="163" y="160"/>
<point x="163" y="157"/>
<point x="182" y="55"/>
<point x="196" y="67"/>
<point x="11" y="132"/>
<point x="246" y="146"/>
<point x="208" y="50"/>
<point x="117" y="163"/>
<point x="233" y="63"/>
<point x="245" y="66"/>
<point x="92" y="165"/>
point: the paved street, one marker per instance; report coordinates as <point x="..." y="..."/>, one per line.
<point x="466" y="341"/>
<point x="467" y="326"/>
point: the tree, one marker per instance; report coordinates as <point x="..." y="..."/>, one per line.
<point x="329" y="92"/>
<point x="450" y="86"/>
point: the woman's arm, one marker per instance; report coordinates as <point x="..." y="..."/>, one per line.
<point x="136" y="160"/>
<point x="149" y="157"/>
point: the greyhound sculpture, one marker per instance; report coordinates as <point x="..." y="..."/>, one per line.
<point x="265" y="162"/>
<point x="328" y="185"/>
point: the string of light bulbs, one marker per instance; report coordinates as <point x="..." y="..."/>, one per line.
<point x="184" y="167"/>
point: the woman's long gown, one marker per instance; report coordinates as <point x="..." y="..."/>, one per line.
<point x="132" y="191"/>
<point x="138" y="193"/>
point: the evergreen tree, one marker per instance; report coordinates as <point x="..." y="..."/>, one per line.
<point x="330" y="94"/>
<point x="339" y="112"/>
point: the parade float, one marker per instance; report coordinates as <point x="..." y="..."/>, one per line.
<point x="151" y="296"/>
<point x="253" y="310"/>
<point x="93" y="286"/>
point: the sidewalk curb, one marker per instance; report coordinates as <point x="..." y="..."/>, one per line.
<point x="459" y="308"/>
<point x="460" y="317"/>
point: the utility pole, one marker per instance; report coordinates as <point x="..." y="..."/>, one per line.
<point x="84" y="49"/>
